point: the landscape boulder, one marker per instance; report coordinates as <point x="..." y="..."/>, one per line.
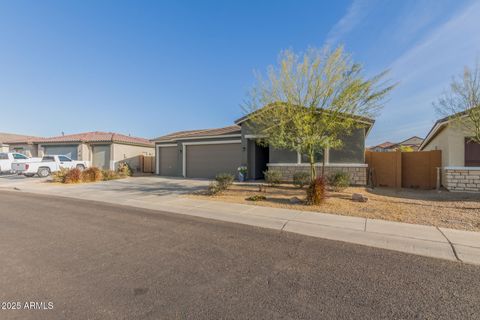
<point x="359" y="197"/>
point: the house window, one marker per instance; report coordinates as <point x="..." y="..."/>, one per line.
<point x="318" y="157"/>
<point x="472" y="153"/>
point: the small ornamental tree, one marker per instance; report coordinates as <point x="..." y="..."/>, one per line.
<point x="462" y="102"/>
<point x="308" y="102"/>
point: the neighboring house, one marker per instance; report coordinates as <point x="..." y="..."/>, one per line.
<point x="413" y="143"/>
<point x="457" y="150"/>
<point x="460" y="155"/>
<point x="26" y="145"/>
<point x="205" y="153"/>
<point x="383" y="147"/>
<point x="100" y="149"/>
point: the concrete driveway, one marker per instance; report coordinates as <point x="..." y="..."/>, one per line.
<point x="148" y="186"/>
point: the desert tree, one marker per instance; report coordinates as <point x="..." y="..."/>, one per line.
<point x="308" y="102"/>
<point x="461" y="103"/>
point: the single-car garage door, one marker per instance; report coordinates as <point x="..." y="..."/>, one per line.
<point x="167" y="161"/>
<point x="207" y="160"/>
<point x="67" y="150"/>
<point x="101" y="156"/>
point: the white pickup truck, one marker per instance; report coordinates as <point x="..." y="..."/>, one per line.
<point x="47" y="165"/>
<point x="8" y="158"/>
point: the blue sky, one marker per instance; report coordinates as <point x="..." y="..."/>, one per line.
<point x="147" y="68"/>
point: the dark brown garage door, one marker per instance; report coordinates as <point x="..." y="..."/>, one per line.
<point x="168" y="161"/>
<point x="207" y="160"/>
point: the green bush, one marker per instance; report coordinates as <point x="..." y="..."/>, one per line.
<point x="92" y="174"/>
<point x="256" y="197"/>
<point x="273" y="177"/>
<point x="339" y="181"/>
<point x="224" y="180"/>
<point x="316" y="192"/>
<point x="301" y="179"/>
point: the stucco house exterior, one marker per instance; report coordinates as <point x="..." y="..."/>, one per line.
<point x="101" y="149"/>
<point x="460" y="155"/>
<point x="24" y="144"/>
<point x="205" y="153"/>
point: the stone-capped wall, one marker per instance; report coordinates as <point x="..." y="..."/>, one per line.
<point x="465" y="179"/>
<point x="358" y="173"/>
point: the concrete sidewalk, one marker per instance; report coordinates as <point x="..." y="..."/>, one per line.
<point x="422" y="240"/>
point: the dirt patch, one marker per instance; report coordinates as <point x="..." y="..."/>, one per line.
<point x="428" y="207"/>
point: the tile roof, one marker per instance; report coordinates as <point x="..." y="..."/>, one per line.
<point x="386" y="144"/>
<point x="97" y="136"/>
<point x="199" y="133"/>
<point x="16" y="138"/>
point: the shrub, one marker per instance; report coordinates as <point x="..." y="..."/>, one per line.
<point x="213" y="188"/>
<point x="73" y="176"/>
<point x="339" y="181"/>
<point x="301" y="179"/>
<point x="273" y="177"/>
<point x="256" y="197"/>
<point x="110" y="175"/>
<point x="59" y="176"/>
<point x="224" y="180"/>
<point x="124" y="169"/>
<point x="92" y="174"/>
<point x="316" y="191"/>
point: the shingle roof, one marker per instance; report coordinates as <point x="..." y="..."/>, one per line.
<point x="198" y="133"/>
<point x="16" y="138"/>
<point x="97" y="136"/>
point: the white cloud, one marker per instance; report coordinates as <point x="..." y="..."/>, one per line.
<point x="425" y="70"/>
<point x="356" y="12"/>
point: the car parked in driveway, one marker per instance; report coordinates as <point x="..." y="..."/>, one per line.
<point x="8" y="158"/>
<point x="47" y="165"/>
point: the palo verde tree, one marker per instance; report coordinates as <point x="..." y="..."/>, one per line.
<point x="462" y="102"/>
<point x="308" y="102"/>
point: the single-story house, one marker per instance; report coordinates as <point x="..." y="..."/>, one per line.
<point x="460" y="155"/>
<point x="101" y="149"/>
<point x="205" y="153"/>
<point x="412" y="142"/>
<point x="454" y="141"/>
<point x="24" y="144"/>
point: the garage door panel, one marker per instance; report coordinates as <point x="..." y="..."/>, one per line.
<point x="70" y="151"/>
<point x="101" y="156"/>
<point x="207" y="160"/>
<point x="168" y="161"/>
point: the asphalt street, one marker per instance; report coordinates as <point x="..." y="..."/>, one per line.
<point x="78" y="259"/>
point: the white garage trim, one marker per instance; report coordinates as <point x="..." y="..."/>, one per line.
<point x="157" y="155"/>
<point x="184" y="151"/>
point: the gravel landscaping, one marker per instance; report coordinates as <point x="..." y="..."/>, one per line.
<point x="428" y="207"/>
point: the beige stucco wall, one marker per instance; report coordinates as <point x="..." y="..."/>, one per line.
<point x="4" y="148"/>
<point x="130" y="154"/>
<point x="451" y="140"/>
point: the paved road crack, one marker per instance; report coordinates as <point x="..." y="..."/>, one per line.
<point x="451" y="245"/>
<point x="283" y="227"/>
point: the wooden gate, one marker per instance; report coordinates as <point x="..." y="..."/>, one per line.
<point x="404" y="169"/>
<point x="148" y="164"/>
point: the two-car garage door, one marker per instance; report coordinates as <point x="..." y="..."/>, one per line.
<point x="200" y="160"/>
<point x="207" y="160"/>
<point x="70" y="151"/>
